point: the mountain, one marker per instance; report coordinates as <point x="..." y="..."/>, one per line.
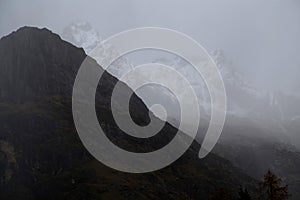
<point x="261" y="128"/>
<point x="261" y="131"/>
<point x="41" y="155"/>
<point x="275" y="109"/>
<point x="83" y="35"/>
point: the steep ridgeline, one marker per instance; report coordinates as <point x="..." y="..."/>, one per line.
<point x="41" y="155"/>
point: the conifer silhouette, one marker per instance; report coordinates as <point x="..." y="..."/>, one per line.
<point x="271" y="185"/>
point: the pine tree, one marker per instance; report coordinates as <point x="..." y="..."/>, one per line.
<point x="244" y="194"/>
<point x="272" y="186"/>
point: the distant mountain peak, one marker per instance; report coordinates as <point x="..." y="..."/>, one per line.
<point x="82" y="34"/>
<point x="219" y="56"/>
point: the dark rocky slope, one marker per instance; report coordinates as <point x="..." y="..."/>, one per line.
<point x="41" y="155"/>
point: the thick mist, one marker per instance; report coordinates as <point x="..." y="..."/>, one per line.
<point x="261" y="38"/>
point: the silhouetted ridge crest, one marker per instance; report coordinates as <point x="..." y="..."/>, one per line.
<point x="35" y="63"/>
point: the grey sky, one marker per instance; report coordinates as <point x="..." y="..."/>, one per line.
<point x="260" y="37"/>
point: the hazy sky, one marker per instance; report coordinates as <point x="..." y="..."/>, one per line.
<point x="262" y="38"/>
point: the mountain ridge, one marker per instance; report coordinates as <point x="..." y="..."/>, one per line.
<point x="41" y="154"/>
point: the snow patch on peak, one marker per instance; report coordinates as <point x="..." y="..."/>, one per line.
<point x="81" y="34"/>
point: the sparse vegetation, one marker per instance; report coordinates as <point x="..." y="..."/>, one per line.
<point x="271" y="187"/>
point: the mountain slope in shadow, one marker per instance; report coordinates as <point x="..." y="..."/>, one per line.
<point x="41" y="155"/>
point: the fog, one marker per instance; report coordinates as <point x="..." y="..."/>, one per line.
<point x="261" y="38"/>
<point x="255" y="45"/>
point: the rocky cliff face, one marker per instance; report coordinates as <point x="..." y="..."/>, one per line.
<point x="34" y="65"/>
<point x="40" y="152"/>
